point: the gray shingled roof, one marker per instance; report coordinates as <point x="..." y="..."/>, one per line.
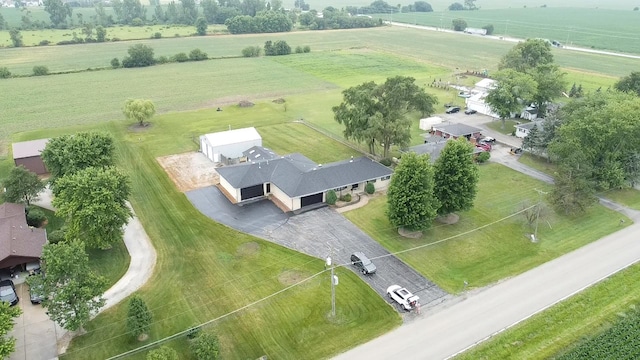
<point x="457" y="129"/>
<point x="16" y="237"/>
<point x="259" y="153"/>
<point x="434" y="149"/>
<point x="298" y="176"/>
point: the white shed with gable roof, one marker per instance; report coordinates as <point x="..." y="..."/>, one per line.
<point x="229" y="144"/>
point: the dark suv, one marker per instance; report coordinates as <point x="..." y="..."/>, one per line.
<point x="8" y="292"/>
<point x="453" y="109"/>
<point x="362" y="262"/>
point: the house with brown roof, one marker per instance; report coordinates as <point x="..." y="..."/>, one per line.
<point x="19" y="243"/>
<point x="28" y="154"/>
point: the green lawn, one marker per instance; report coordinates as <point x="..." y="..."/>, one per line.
<point x="497" y="251"/>
<point x="627" y="197"/>
<point x="509" y="126"/>
<point x="557" y="329"/>
<point x="538" y="163"/>
<point x="212" y="272"/>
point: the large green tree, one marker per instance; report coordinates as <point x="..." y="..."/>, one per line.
<point x="379" y="114"/>
<point x="58" y="11"/>
<point x="534" y="141"/>
<point x="67" y="154"/>
<point x="411" y="202"/>
<point x="140" y="110"/>
<point x="604" y="129"/>
<point x="93" y="202"/>
<point x="140" y="55"/>
<point x="206" y="346"/>
<point x="550" y="83"/>
<point x="573" y="190"/>
<point x="512" y="91"/>
<point x="22" y="186"/>
<point x="629" y="83"/>
<point x="527" y="55"/>
<point x="72" y="290"/>
<point x="7" y="315"/>
<point x="455" y="177"/>
<point x="138" y="317"/>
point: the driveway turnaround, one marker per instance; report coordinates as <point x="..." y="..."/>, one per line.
<point x="317" y="233"/>
<point x="444" y="333"/>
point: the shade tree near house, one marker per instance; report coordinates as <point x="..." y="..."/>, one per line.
<point x="139" y="110"/>
<point x="93" y="203"/>
<point x="527" y="55"/>
<point x="72" y="291"/>
<point x="513" y="89"/>
<point x="411" y="202"/>
<point x="455" y="177"/>
<point x="68" y="154"/>
<point x="533" y="142"/>
<point x="138" y="318"/>
<point x="7" y="315"/>
<point x="22" y="186"/>
<point x="379" y="114"/>
<point x="550" y="84"/>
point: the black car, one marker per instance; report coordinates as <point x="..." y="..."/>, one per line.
<point x="362" y="262"/>
<point x="35" y="292"/>
<point x="470" y="111"/>
<point x="453" y="109"/>
<point x="8" y="292"/>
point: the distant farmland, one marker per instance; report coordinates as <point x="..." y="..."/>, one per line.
<point x="594" y="28"/>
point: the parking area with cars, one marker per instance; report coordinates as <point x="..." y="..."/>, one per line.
<point x="318" y="233"/>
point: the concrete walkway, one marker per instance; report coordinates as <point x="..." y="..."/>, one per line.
<point x="143" y="260"/>
<point x="364" y="200"/>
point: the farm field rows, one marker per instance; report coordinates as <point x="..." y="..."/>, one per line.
<point x="592" y="28"/>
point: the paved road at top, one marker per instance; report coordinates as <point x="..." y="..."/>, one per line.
<point x="511" y="39"/>
<point x="442" y="333"/>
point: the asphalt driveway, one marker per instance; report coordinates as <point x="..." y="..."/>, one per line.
<point x="314" y="233"/>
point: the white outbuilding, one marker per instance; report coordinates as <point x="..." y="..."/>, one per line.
<point x="427" y="123"/>
<point x="220" y="146"/>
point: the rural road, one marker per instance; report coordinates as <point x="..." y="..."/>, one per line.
<point x="445" y="332"/>
<point x="515" y="40"/>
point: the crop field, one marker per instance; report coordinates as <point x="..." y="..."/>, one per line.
<point x="593" y="28"/>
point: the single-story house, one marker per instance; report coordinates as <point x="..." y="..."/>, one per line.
<point x="19" y="243"/>
<point x="294" y="181"/>
<point x="522" y="130"/>
<point x="456" y="130"/>
<point x="529" y="113"/>
<point x="427" y="123"/>
<point x="229" y="145"/>
<point x="434" y="148"/>
<point x="28" y="154"/>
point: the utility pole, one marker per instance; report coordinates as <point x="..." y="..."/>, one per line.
<point x="334" y="281"/>
<point x="539" y="205"/>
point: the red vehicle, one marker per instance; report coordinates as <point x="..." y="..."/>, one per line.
<point x="484" y="146"/>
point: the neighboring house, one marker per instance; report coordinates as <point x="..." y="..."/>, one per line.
<point x="522" y="130"/>
<point x="477" y="99"/>
<point x="228" y="146"/>
<point x="19" y="243"/>
<point x="530" y="113"/>
<point x="434" y="148"/>
<point x="294" y="181"/>
<point x="427" y="123"/>
<point x="456" y="130"/>
<point x="28" y="154"/>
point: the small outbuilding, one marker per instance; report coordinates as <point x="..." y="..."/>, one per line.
<point x="28" y="154"/>
<point x="456" y="130"/>
<point x="19" y="243"/>
<point x="427" y="123"/>
<point x="228" y="145"/>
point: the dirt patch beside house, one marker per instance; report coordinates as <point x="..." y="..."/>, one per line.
<point x="190" y="171"/>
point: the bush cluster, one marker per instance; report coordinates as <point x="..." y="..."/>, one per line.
<point x="331" y="197"/>
<point x="5" y="73"/>
<point x="346" y="198"/>
<point x="280" y="47"/>
<point x="35" y="217"/>
<point x="370" y="188"/>
<point x="40" y="70"/>
<point x="252" y="51"/>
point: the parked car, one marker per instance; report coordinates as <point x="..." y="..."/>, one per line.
<point x="516" y="151"/>
<point x="488" y="139"/>
<point x="484" y="146"/>
<point x="36" y="294"/>
<point x="470" y="111"/>
<point x="8" y="292"/>
<point x="453" y="109"/>
<point x="362" y="262"/>
<point x="403" y="297"/>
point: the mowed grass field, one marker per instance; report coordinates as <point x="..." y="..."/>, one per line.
<point x="498" y="249"/>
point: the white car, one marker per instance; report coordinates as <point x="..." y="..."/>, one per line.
<point x="403" y="297"/>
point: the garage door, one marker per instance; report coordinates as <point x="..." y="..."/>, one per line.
<point x="311" y="199"/>
<point x="251" y="192"/>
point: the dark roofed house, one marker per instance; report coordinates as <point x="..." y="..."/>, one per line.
<point x="19" y="243"/>
<point x="294" y="181"/>
<point x="258" y="153"/>
<point x="28" y="153"/>
<point x="456" y="130"/>
<point x="435" y="148"/>
<point x="522" y="130"/>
